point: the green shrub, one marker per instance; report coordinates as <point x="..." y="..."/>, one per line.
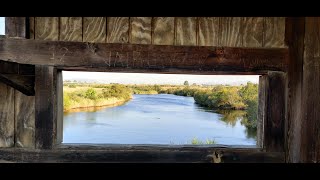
<point x="91" y="94"/>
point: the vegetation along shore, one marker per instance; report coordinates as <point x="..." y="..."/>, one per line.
<point x="215" y="97"/>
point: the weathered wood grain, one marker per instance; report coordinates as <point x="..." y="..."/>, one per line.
<point x="70" y="29"/>
<point x="31" y="27"/>
<point x="140" y="30"/>
<point x="24" y="84"/>
<point x="275" y="117"/>
<point x="209" y="31"/>
<point x="45" y="107"/>
<point x="59" y="106"/>
<point x="274" y="34"/>
<point x="47" y="28"/>
<point x="25" y="120"/>
<point x="15" y="26"/>
<point x="186" y="31"/>
<point x="6" y="116"/>
<point x="310" y="126"/>
<point x="118" y="29"/>
<point x="252" y="30"/>
<point x="262" y="109"/>
<point x="163" y="31"/>
<point x="94" y="29"/>
<point x="129" y="56"/>
<point x="231" y="34"/>
<point x="10" y="72"/>
<point x="122" y="154"/>
<point x="23" y="110"/>
<point x="295" y="32"/>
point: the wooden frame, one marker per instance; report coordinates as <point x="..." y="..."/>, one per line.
<point x="49" y="58"/>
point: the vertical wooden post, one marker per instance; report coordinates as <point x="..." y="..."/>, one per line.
<point x="48" y="98"/>
<point x="295" y="32"/>
<point x="46" y="117"/>
<point x="310" y="125"/>
<point x="262" y="98"/>
<point x="271" y="112"/>
<point x="59" y="92"/>
<point x="275" y="114"/>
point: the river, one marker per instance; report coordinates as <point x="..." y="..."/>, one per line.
<point x="156" y="119"/>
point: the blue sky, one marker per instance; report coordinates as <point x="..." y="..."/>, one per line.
<point x="1" y="25"/>
<point x="138" y="78"/>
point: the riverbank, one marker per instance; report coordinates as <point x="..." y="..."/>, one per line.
<point x="155" y="119"/>
<point x="219" y="97"/>
<point x="91" y="105"/>
<point x="88" y="97"/>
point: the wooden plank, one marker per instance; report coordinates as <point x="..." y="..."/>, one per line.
<point x="231" y="34"/>
<point x="59" y="106"/>
<point x="295" y="32"/>
<point x="23" y="111"/>
<point x="262" y="110"/>
<point x="160" y="57"/>
<point x="6" y="116"/>
<point x="94" y="29"/>
<point x="47" y="28"/>
<point x="209" y="31"/>
<point x="275" y="117"/>
<point x="25" y="120"/>
<point x="252" y="29"/>
<point x="310" y="126"/>
<point x="163" y="31"/>
<point x="15" y="26"/>
<point x="70" y="29"/>
<point x="274" y="32"/>
<point x="174" y="155"/>
<point x="45" y="107"/>
<point x="186" y="31"/>
<point x="31" y="27"/>
<point x="24" y="84"/>
<point x="140" y="30"/>
<point x="118" y="29"/>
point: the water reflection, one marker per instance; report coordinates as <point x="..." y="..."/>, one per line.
<point x="157" y="119"/>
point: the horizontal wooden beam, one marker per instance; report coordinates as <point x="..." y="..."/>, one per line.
<point x="172" y="155"/>
<point x="22" y="83"/>
<point x="106" y="56"/>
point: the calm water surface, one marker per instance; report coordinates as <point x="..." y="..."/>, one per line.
<point x="156" y="119"/>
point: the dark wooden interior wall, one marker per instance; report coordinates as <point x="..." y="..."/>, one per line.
<point x="17" y="120"/>
<point x="195" y="31"/>
<point x="303" y="125"/>
<point x="310" y="126"/>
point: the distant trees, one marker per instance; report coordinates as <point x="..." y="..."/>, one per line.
<point x="186" y="83"/>
<point x="221" y="97"/>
